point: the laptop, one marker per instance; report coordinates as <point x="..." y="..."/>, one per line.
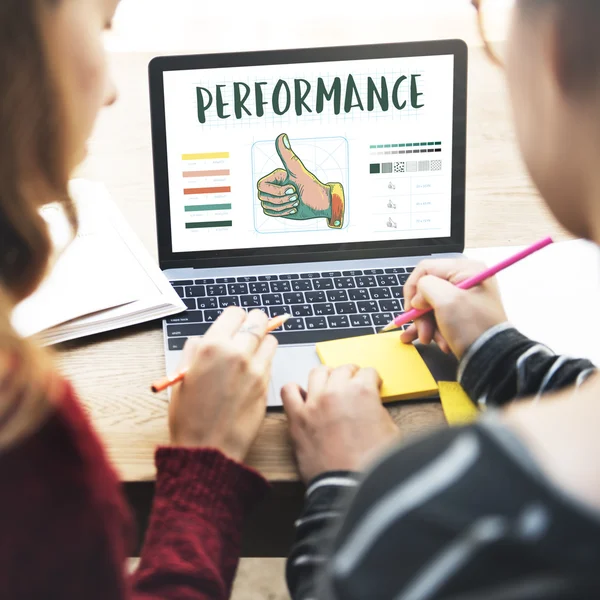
<point x="308" y="182"/>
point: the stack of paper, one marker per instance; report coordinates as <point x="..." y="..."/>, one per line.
<point x="553" y="296"/>
<point x="104" y="279"/>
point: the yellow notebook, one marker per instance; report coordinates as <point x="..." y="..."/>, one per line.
<point x="458" y="407"/>
<point x="405" y="375"/>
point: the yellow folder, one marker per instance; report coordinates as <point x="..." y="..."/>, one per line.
<point x="404" y="373"/>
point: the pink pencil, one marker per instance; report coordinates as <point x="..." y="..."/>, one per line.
<point x="467" y="284"/>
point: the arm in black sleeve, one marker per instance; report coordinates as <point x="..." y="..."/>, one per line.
<point x="504" y="365"/>
<point x="325" y="501"/>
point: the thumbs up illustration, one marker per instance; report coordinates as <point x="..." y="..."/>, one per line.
<point x="293" y="192"/>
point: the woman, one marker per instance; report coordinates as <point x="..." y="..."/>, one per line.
<point x="64" y="526"/>
<point x="508" y="508"/>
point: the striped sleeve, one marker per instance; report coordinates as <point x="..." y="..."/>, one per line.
<point x="455" y="515"/>
<point x="504" y="365"/>
<point x="324" y="501"/>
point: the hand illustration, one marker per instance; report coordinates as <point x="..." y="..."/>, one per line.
<point x="295" y="193"/>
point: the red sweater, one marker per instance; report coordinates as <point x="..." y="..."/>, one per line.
<point x="65" y="529"/>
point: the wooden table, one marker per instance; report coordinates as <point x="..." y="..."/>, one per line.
<point x="112" y="371"/>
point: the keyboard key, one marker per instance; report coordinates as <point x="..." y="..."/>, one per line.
<point x="182" y="282"/>
<point x="392" y="305"/>
<point x="382" y="319"/>
<point x="331" y="274"/>
<point x="246" y="279"/>
<point x="208" y="302"/>
<point x="177" y="343"/>
<point x="402" y="279"/>
<point x="302" y="285"/>
<point x="360" y="294"/>
<point x="225" y="301"/>
<point x="187" y="330"/>
<point x="226" y="280"/>
<point x="302" y="310"/>
<point x="204" y="281"/>
<point x="250" y="301"/>
<point x="263" y="308"/>
<point x="180" y="292"/>
<point x="338" y="322"/>
<point x="384" y="280"/>
<point x="396" y="270"/>
<point x="324" y="309"/>
<point x="277" y="311"/>
<point x="259" y="288"/>
<point x="294" y="298"/>
<point x="316" y="323"/>
<point x="342" y="283"/>
<point x="193" y="291"/>
<point x="290" y="276"/>
<point x="368" y="307"/>
<point x="190" y="303"/>
<point x="268" y="277"/>
<point x="360" y="321"/>
<point x="314" y="336"/>
<point x="215" y="290"/>
<point x="235" y="289"/>
<point x="373" y="271"/>
<point x="346" y="308"/>
<point x="272" y="299"/>
<point x="337" y="296"/>
<point x="280" y="286"/>
<point x="310" y="275"/>
<point x="410" y="269"/>
<point x="190" y="316"/>
<point x="313" y="297"/>
<point x="354" y="273"/>
<point x="398" y="292"/>
<point x="380" y="293"/>
<point x="294" y="325"/>
<point x="323" y="284"/>
<point x="212" y="315"/>
<point x="367" y="281"/>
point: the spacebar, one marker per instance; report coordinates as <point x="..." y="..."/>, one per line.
<point x="320" y="335"/>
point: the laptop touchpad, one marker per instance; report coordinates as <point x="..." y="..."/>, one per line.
<point x="291" y="364"/>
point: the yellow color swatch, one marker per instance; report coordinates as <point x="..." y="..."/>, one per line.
<point x="205" y="156"/>
<point x="458" y="407"/>
<point x="404" y="373"/>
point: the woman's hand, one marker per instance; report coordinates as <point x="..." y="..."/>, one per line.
<point x="222" y="401"/>
<point x="340" y="423"/>
<point x="460" y="317"/>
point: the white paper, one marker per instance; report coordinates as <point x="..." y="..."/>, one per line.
<point x="553" y="296"/>
<point x="104" y="279"/>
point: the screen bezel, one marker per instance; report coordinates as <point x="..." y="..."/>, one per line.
<point x="321" y="252"/>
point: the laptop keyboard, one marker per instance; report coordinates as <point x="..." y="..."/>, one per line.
<point x="324" y="305"/>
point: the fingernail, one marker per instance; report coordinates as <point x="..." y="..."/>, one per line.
<point x="293" y="212"/>
<point x="289" y="191"/>
<point x="293" y="198"/>
<point x="296" y="204"/>
<point x="286" y="142"/>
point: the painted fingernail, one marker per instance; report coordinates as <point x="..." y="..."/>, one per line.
<point x="293" y="212"/>
<point x="289" y="191"/>
<point x="296" y="204"/>
<point x="286" y="142"/>
<point x="293" y="198"/>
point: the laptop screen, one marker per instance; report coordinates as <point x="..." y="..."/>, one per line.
<point x="306" y="154"/>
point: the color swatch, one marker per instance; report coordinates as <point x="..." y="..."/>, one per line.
<point x="207" y="190"/>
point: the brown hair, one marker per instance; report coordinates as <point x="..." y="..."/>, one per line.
<point x="33" y="172"/>
<point x="578" y="35"/>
